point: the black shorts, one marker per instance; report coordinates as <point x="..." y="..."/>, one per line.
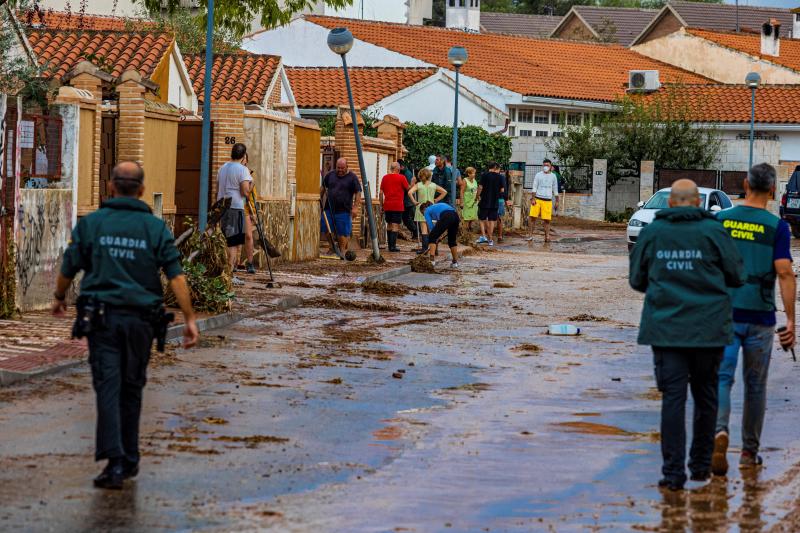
<point x="393" y="217"/>
<point x="448" y="222"/>
<point x="232" y="225"/>
<point x="487" y="213"/>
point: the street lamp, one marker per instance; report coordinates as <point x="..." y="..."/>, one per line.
<point x="340" y="41"/>
<point x="205" y="143"/>
<point x="457" y="56"/>
<point x="752" y="80"/>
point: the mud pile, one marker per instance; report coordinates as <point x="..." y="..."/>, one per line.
<point x="422" y="263"/>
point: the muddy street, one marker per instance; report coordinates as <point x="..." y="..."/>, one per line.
<point x="433" y="402"/>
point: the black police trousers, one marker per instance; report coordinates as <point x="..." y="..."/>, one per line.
<point x="675" y="369"/>
<point x="118" y="355"/>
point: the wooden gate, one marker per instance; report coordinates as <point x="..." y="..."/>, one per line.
<point x="187" y="173"/>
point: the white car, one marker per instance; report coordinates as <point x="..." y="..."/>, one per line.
<point x="711" y="199"/>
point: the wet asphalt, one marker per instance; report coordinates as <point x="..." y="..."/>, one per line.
<point x="444" y="408"/>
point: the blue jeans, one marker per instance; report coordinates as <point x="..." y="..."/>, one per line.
<point x="755" y="341"/>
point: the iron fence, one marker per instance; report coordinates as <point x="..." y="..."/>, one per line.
<point x="577" y="179"/>
<point x="728" y="181"/>
<point x="39" y="143"/>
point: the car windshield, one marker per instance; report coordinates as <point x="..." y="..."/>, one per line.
<point x="661" y="198"/>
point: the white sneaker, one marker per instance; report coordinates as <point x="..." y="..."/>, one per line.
<point x="454" y="264"/>
<point x="528" y="239"/>
<point x="491" y="243"/>
<point x="481" y="240"/>
<point x="433" y="262"/>
<point x="236" y="281"/>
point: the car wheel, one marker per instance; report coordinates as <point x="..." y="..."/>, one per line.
<point x="796" y="231"/>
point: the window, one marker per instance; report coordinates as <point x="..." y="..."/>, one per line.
<point x="725" y="202"/>
<point x="558" y="134"/>
<point x="541" y="117"/>
<point x="540" y="133"/>
<point x="556" y="117"/>
<point x="574" y="119"/>
<point x="525" y="133"/>
<point x="513" y="116"/>
<point x="525" y="115"/>
<point x="512" y="131"/>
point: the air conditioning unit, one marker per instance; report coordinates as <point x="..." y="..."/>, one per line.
<point x="643" y="81"/>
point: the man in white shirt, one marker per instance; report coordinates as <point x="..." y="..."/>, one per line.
<point x="545" y="193"/>
<point x="235" y="182"/>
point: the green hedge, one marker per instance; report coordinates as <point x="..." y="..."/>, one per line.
<point x="476" y="146"/>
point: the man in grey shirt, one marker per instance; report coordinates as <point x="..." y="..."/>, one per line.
<point x="234" y="182"/>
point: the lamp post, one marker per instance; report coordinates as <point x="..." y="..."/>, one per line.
<point x="457" y="56"/>
<point x="340" y="41"/>
<point x="752" y="80"/>
<point x="205" y="150"/>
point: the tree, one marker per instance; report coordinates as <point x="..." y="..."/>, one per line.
<point x="561" y="7"/>
<point x="19" y="76"/>
<point x="190" y="32"/>
<point x="237" y="16"/>
<point x="476" y="146"/>
<point x="655" y="128"/>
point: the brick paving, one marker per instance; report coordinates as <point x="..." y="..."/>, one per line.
<point x="38" y="340"/>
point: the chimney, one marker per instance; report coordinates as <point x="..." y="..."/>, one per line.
<point x="771" y="38"/>
<point x="463" y="14"/>
<point x="796" y="23"/>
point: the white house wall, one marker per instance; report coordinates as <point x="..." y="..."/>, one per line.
<point x="790" y="145"/>
<point x="714" y="61"/>
<point x="303" y="44"/>
<point x="179" y="95"/>
<point x="121" y="8"/>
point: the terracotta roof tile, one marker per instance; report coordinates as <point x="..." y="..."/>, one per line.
<point x="750" y="43"/>
<point x="60" y="20"/>
<point x="723" y="16"/>
<point x="584" y="71"/>
<point x="519" y="24"/>
<point x="325" y="88"/>
<point x="112" y="51"/>
<point x="775" y="104"/>
<point x="242" y="77"/>
<point x="627" y="23"/>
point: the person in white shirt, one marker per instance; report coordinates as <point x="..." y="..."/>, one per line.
<point x="545" y="194"/>
<point x="235" y="182"/>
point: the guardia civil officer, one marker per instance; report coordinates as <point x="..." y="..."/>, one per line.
<point x="685" y="262"/>
<point x="121" y="249"/>
<point x="764" y="241"/>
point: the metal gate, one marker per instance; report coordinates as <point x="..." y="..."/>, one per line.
<point x="729" y="181"/>
<point x="576" y="179"/>
<point x="108" y="153"/>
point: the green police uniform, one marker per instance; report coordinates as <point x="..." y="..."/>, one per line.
<point x="685" y="261"/>
<point x="754" y="230"/>
<point x="121" y="248"/>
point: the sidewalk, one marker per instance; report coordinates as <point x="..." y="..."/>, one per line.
<point x="39" y="344"/>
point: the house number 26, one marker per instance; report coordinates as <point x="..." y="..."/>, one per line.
<point x="230" y="140"/>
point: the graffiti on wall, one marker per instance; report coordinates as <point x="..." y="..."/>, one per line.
<point x="43" y="230"/>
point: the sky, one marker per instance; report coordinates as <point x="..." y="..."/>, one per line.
<point x="788" y="4"/>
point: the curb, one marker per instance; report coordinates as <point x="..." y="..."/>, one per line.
<point x="7" y="377"/>
<point x="389" y="274"/>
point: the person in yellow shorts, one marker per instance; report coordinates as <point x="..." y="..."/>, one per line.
<point x="545" y="193"/>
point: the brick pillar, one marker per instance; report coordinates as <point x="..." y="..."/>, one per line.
<point x="130" y="135"/>
<point x="346" y="146"/>
<point x="228" y="120"/>
<point x="87" y="79"/>
<point x="391" y="129"/>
